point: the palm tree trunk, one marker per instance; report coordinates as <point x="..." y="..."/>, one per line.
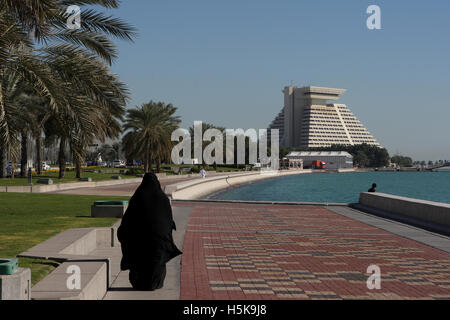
<point x="150" y="162"/>
<point x="2" y="160"/>
<point x="3" y="144"/>
<point x="145" y="163"/>
<point x="62" y="158"/>
<point x="78" y="166"/>
<point x="147" y="159"/>
<point x="158" y="165"/>
<point x="24" y="154"/>
<point x="39" y="154"/>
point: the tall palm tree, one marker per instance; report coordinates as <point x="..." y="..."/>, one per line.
<point x="96" y="101"/>
<point x="149" y="128"/>
<point x="11" y="118"/>
<point x="99" y="124"/>
<point x="205" y="127"/>
<point x="28" y="103"/>
<point x="66" y="67"/>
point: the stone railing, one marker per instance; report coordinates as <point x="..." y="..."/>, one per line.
<point x="434" y="216"/>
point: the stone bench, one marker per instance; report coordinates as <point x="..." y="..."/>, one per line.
<point x="186" y="170"/>
<point x="175" y="170"/>
<point x="45" y="181"/>
<point x="109" y="209"/>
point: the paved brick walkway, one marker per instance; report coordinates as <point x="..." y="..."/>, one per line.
<point x="243" y="251"/>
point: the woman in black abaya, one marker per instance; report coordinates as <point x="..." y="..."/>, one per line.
<point x="145" y="235"/>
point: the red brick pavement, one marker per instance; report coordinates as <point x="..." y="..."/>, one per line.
<point x="243" y="251"/>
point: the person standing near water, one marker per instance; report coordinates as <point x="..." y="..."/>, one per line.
<point x="374" y="188"/>
<point x="203" y="173"/>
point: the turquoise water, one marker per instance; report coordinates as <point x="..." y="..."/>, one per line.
<point x="344" y="187"/>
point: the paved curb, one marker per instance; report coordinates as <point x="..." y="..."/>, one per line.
<point x="284" y="203"/>
<point x="199" y="188"/>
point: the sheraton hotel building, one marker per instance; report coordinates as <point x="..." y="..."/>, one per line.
<point x="307" y="120"/>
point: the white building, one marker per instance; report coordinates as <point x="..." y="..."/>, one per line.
<point x="307" y="120"/>
<point x="332" y="159"/>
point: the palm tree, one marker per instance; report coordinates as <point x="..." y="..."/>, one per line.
<point x="11" y="118"/>
<point x="28" y="103"/>
<point x="149" y="131"/>
<point x="41" y="115"/>
<point x="100" y="124"/>
<point x="96" y="98"/>
<point x="67" y="67"/>
<point x="205" y="127"/>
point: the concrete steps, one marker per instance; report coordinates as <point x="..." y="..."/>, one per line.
<point x="91" y="250"/>
<point x="93" y="278"/>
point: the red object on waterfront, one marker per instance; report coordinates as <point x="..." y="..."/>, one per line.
<point x="318" y="164"/>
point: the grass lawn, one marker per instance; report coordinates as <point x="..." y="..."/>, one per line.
<point x="27" y="219"/>
<point x="70" y="177"/>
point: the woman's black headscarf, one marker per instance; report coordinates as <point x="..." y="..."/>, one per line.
<point x="145" y="233"/>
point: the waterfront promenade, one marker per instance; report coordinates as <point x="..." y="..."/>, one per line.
<point x="251" y="250"/>
<point x="248" y="251"/>
<point x="254" y="251"/>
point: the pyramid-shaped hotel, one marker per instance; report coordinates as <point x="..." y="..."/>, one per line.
<point x="307" y="120"/>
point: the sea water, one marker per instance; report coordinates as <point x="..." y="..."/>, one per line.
<point x="343" y="187"/>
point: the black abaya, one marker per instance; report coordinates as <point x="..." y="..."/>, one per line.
<point x="145" y="235"/>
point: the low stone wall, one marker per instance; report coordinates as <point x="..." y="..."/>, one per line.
<point x="81" y="247"/>
<point x="434" y="215"/>
<point x="18" y="189"/>
<point x="199" y="188"/>
<point x="67" y="186"/>
<point x="75" y="185"/>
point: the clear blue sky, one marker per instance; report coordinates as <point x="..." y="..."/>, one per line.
<point x="225" y="62"/>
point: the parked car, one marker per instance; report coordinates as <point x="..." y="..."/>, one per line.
<point x="119" y="164"/>
<point x="132" y="163"/>
<point x="45" y="166"/>
<point x="9" y="168"/>
<point x="102" y="163"/>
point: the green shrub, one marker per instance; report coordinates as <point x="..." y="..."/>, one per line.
<point x="195" y="169"/>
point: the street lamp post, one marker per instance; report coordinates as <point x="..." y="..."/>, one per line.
<point x="30" y="176"/>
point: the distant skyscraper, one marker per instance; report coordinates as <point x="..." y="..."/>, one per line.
<point x="306" y="120"/>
